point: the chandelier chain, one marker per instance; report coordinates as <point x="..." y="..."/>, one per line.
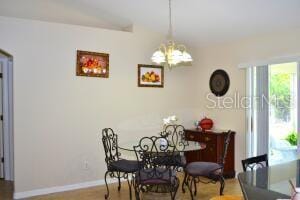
<point x="170" y="22"/>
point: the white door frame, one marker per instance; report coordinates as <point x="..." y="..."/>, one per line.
<point x="249" y="114"/>
<point x="298" y="106"/>
<point x="7" y="72"/>
<point x="1" y="134"/>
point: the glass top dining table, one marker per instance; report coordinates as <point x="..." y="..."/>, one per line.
<point x="182" y="146"/>
<point x="127" y="152"/>
<point x="271" y="182"/>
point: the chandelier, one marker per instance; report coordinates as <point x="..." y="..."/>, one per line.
<point x="171" y="54"/>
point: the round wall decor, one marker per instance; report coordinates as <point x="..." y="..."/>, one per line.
<point x="219" y="82"/>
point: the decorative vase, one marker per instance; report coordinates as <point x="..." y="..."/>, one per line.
<point x="206" y="124"/>
<point x="163" y="143"/>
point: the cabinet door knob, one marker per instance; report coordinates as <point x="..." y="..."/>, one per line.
<point x="206" y="139"/>
<point x="191" y="136"/>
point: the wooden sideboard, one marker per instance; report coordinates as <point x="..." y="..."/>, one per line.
<point x="214" y="141"/>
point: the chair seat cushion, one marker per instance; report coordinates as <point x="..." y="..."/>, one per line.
<point x="156" y="176"/>
<point x="206" y="169"/>
<point x="128" y="166"/>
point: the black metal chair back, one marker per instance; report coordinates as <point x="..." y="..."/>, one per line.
<point x="175" y="134"/>
<point x="152" y="153"/>
<point x="110" y="144"/>
<point x="255" y="162"/>
<point x="226" y="145"/>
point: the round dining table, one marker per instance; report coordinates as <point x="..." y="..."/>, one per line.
<point x="127" y="150"/>
<point x="182" y="146"/>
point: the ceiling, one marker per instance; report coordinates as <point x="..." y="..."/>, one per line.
<point x="196" y="22"/>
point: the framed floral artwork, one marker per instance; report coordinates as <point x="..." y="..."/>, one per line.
<point x="150" y="76"/>
<point x="92" y="64"/>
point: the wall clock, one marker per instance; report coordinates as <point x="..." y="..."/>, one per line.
<point x="219" y="82"/>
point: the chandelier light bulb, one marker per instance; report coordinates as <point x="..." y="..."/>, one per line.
<point x="158" y="57"/>
<point x="176" y="57"/>
<point x="186" y="57"/>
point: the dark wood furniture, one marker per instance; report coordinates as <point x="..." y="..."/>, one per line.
<point x="214" y="141"/>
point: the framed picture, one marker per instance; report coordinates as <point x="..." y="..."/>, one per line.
<point x="150" y="76"/>
<point x="92" y="64"/>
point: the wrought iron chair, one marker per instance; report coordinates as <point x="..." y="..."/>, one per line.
<point x="154" y="175"/>
<point x="255" y="162"/>
<point x="116" y="167"/>
<point x="210" y="170"/>
<point x="175" y="135"/>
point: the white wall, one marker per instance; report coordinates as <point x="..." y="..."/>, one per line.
<point x="58" y="116"/>
<point x="228" y="57"/>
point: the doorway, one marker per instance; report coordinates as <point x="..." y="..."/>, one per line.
<point x="6" y="117"/>
<point x="273" y="117"/>
<point x="1" y="128"/>
<point x="283" y="110"/>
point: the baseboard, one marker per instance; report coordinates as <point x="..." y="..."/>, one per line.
<point x="44" y="191"/>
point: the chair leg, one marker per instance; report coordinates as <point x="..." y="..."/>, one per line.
<point x="184" y="182"/>
<point x="119" y="180"/>
<point x="107" y="194"/>
<point x="137" y="193"/>
<point x="222" y="185"/>
<point x="195" y="184"/>
<point x="129" y="186"/>
<point x="190" y="186"/>
<point x="173" y="194"/>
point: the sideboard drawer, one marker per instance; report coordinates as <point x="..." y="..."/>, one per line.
<point x="192" y="136"/>
<point x="208" y="138"/>
<point x="209" y="154"/>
